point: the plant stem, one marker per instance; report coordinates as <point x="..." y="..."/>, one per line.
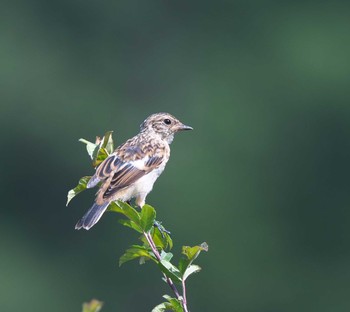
<point x="184" y="298"/>
<point x="169" y="281"/>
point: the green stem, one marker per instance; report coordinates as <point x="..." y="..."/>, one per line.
<point x="169" y="281"/>
<point x="184" y="300"/>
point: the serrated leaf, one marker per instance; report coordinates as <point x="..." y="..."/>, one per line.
<point x="92" y="306"/>
<point x="190" y="270"/>
<point x="127" y="211"/>
<point x="170" y="270"/>
<point x="134" y="252"/>
<point x="130" y="224"/>
<point x="148" y="216"/>
<point x="78" y="189"/>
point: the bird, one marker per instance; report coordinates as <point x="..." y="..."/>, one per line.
<point x="131" y="170"/>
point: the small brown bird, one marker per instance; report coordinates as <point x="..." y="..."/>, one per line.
<point x="131" y="170"/>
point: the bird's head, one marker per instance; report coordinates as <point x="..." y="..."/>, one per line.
<point x="164" y="125"/>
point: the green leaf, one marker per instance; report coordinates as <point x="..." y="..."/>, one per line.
<point x="168" y="240"/>
<point x="134" y="252"/>
<point x="190" y="270"/>
<point x="92" y="306"/>
<point x="158" y="240"/>
<point x="100" y="156"/>
<point x="98" y="152"/>
<point x="161" y="239"/>
<point x="103" y="149"/>
<point x="170" y="270"/>
<point x="162" y="307"/>
<point x="191" y="253"/>
<point x="176" y="305"/>
<point x="159" y="245"/>
<point x="183" y="264"/>
<point x="173" y="304"/>
<point x="107" y="142"/>
<point x="78" y="189"/>
<point x="148" y="216"/>
<point x="167" y="256"/>
<point x="90" y="147"/>
<point x="127" y="211"/>
<point x="130" y="224"/>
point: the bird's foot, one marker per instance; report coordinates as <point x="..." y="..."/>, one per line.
<point x="161" y="228"/>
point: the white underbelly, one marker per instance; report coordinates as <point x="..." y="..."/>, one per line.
<point x="142" y="186"/>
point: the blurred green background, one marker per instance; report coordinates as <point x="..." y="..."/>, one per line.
<point x="264" y="178"/>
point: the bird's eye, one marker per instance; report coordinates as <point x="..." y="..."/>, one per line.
<point x="167" y="121"/>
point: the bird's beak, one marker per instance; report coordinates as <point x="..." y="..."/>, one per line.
<point x="182" y="127"/>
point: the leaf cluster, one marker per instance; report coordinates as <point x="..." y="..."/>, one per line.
<point x="98" y="152"/>
<point x="92" y="306"/>
<point x="142" y="222"/>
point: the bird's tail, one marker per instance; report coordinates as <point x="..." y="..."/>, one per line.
<point x="92" y="216"/>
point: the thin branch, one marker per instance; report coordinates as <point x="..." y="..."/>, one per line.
<point x="184" y="298"/>
<point x="169" y="281"/>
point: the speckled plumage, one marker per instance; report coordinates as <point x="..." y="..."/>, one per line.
<point x="131" y="170"/>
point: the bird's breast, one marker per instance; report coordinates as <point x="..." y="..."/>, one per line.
<point x="145" y="184"/>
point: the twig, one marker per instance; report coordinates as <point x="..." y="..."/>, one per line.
<point x="184" y="298"/>
<point x="169" y="281"/>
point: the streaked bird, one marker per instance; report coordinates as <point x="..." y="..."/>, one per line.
<point x="131" y="170"/>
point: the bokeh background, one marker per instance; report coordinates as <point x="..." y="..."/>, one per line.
<point x="264" y="178"/>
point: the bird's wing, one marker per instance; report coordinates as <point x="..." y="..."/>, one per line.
<point x="117" y="174"/>
<point x="103" y="171"/>
<point x="129" y="173"/>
